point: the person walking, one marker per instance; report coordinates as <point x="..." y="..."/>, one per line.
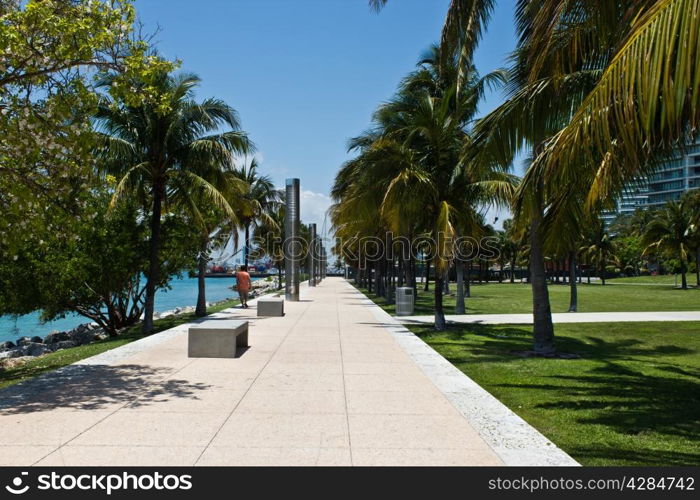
<point x="243" y="285"/>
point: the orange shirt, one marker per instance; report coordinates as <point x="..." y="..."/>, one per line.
<point x="243" y="280"/>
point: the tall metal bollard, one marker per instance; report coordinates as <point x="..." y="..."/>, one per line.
<point x="292" y="251"/>
<point x="320" y="260"/>
<point x="312" y="255"/>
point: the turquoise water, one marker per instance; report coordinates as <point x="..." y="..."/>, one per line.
<point x="183" y="293"/>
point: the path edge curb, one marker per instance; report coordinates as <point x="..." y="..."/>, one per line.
<point x="515" y="441"/>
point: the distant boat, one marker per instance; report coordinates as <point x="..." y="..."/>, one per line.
<point x="218" y="275"/>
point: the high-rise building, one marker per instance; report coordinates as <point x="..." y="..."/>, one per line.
<point x="675" y="176"/>
<point x="633" y="197"/>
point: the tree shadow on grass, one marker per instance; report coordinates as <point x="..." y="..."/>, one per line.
<point x="645" y="396"/>
<point x="630" y="403"/>
<point x="497" y="344"/>
<point x="93" y="387"/>
<point x="625" y="456"/>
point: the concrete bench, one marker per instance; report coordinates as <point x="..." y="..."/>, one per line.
<point x="216" y="338"/>
<point x="271" y="306"/>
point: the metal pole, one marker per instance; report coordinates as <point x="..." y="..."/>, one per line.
<point x="291" y="241"/>
<point x="320" y="271"/>
<point x="312" y="255"/>
<point x="317" y="262"/>
<point x="323" y="262"/>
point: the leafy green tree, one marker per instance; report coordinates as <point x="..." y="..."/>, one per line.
<point x="693" y="200"/>
<point x="159" y="150"/>
<point x="629" y="253"/>
<point x="50" y="54"/>
<point x="93" y="267"/>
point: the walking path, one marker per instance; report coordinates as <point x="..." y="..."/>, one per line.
<point x="336" y="381"/>
<point x="592" y="317"/>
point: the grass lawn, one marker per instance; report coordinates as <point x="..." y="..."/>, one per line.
<point x="501" y="298"/>
<point x="68" y="356"/>
<point x="632" y="399"/>
<point x="666" y="279"/>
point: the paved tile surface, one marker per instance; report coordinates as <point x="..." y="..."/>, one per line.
<point x="327" y="384"/>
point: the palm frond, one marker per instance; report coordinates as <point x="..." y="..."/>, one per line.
<point x="647" y="99"/>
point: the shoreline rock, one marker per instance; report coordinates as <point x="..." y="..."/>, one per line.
<point x="33" y="347"/>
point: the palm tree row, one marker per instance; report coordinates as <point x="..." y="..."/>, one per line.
<point x="596" y="94"/>
<point x="173" y="157"/>
<point x="408" y="180"/>
<point x="667" y="238"/>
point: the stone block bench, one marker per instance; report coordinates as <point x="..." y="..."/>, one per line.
<point x="271" y="306"/>
<point x="216" y="338"/>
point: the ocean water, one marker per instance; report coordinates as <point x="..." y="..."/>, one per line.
<point x="182" y="294"/>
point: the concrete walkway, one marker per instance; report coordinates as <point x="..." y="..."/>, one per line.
<point x="334" y="382"/>
<point x="592" y="317"/>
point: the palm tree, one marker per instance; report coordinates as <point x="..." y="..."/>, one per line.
<point x="159" y="151"/>
<point x="409" y="177"/>
<point x="673" y="231"/>
<point x="512" y="245"/>
<point x="586" y="115"/>
<point x="260" y="200"/>
<point x="212" y="223"/>
<point x="269" y="237"/>
<point x="464" y="25"/>
<point x="599" y="247"/>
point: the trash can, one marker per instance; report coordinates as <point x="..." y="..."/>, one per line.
<point x="404" y="301"/>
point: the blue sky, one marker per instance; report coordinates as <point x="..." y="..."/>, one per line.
<point x="305" y="75"/>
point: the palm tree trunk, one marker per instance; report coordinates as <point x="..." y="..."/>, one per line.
<point x="468" y="291"/>
<point x="247" y="243"/>
<point x="279" y="275"/>
<point x="563" y="271"/>
<point x="459" y="307"/>
<point x="414" y="280"/>
<point x="380" y="280"/>
<point x="447" y="281"/>
<point x="390" y="283"/>
<point x="201" y="309"/>
<point x="697" y="268"/>
<point x="684" y="269"/>
<point x="573" y="299"/>
<point x="512" y="268"/>
<point x="388" y="244"/>
<point x="411" y="273"/>
<point x="368" y="270"/>
<point x="427" y="276"/>
<point x="439" y="311"/>
<point x="543" y="329"/>
<point x="152" y="279"/>
<point x="602" y="275"/>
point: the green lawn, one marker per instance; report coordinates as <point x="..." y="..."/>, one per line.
<point x="68" y="356"/>
<point x="632" y="399"/>
<point x="666" y="279"/>
<point x="501" y="298"/>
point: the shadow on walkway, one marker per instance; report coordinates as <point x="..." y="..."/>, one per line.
<point x="94" y="387"/>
